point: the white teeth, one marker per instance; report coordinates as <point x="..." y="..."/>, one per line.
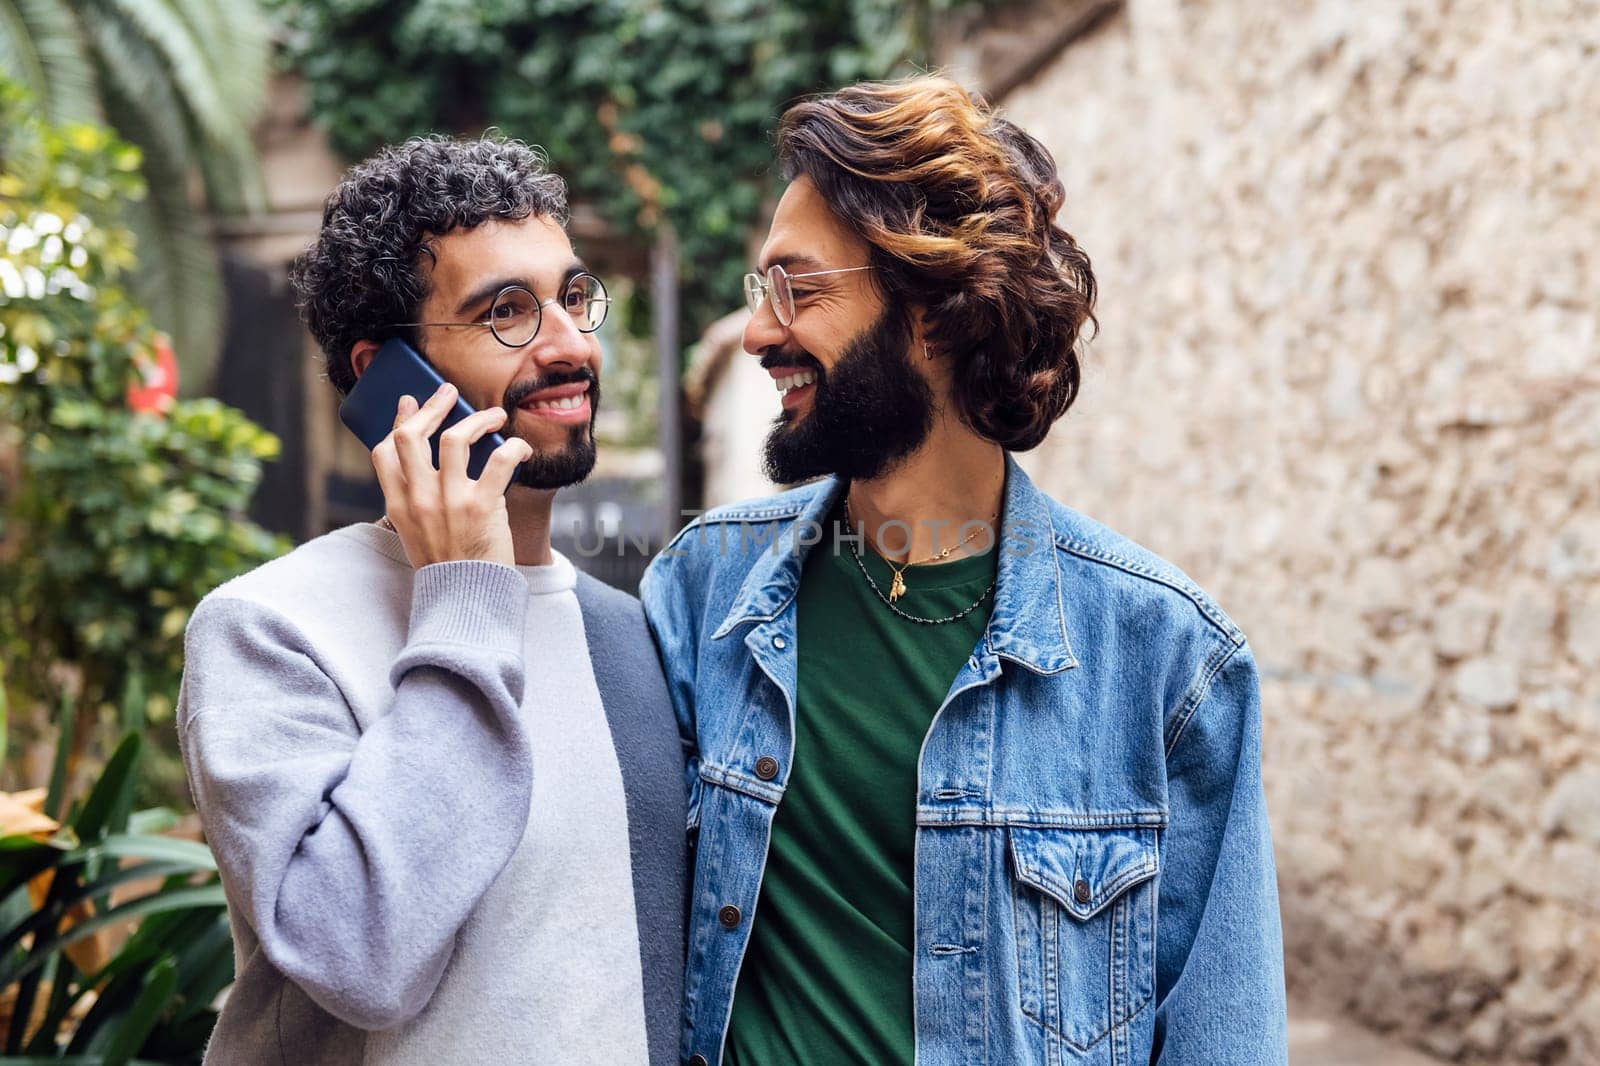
<point x="570" y="403"/>
<point x="795" y="381"/>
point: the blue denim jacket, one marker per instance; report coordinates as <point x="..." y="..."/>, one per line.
<point x="1094" y="880"/>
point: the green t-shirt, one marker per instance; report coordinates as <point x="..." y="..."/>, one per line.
<point x="827" y="978"/>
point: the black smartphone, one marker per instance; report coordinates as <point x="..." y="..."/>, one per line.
<point x="399" y="370"/>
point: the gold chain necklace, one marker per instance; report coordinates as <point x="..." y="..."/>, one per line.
<point x="897" y="587"/>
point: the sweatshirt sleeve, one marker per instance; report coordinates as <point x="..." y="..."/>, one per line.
<point x="355" y="857"/>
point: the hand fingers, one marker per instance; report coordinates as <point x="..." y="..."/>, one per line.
<point x="387" y="464"/>
<point x="412" y="434"/>
<point x="406" y="408"/>
<point x="455" y="443"/>
<point x="502" y="464"/>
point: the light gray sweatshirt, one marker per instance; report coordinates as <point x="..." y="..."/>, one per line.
<point x="447" y="805"/>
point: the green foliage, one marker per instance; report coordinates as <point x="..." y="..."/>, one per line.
<point x="653" y="111"/>
<point x="114" y="522"/>
<point x="74" y="1000"/>
<point x="183" y="81"/>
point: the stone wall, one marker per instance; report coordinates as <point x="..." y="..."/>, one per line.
<point x="1348" y="378"/>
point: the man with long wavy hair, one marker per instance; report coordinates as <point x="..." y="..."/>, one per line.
<point x="974" y="780"/>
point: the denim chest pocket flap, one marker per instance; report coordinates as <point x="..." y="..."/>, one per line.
<point x="1084" y="909"/>
<point x="1082" y="870"/>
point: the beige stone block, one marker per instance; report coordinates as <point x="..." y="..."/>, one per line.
<point x="1566" y="871"/>
<point x="1485" y="869"/>
<point x="1433" y="944"/>
<point x="1552" y="935"/>
<point x="1464" y="730"/>
<point x="1403" y="677"/>
<point x="1382" y="584"/>
<point x="1461" y="626"/>
<point x="1488" y="682"/>
<point x="1487" y="942"/>
<point x="1532" y="997"/>
<point x="1583" y="627"/>
<point x="1574" y="806"/>
<point x="1446" y="1042"/>
<point x="1585" y="1019"/>
<point x="1510" y="788"/>
<point x="1575" y="552"/>
<point x="1527" y="623"/>
<point x="1486" y="1031"/>
<point x="1410" y="860"/>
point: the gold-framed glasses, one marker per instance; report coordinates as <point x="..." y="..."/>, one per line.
<point x="775" y="286"/>
<point x="516" y="313"/>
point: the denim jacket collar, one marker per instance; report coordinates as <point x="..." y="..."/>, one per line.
<point x="1028" y="624"/>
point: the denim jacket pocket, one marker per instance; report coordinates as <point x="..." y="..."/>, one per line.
<point x="1084" y="907"/>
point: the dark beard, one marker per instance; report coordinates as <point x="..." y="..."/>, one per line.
<point x="557" y="470"/>
<point x="573" y="462"/>
<point x="869" y="412"/>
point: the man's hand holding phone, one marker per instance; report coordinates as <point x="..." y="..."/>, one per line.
<point x="444" y="515"/>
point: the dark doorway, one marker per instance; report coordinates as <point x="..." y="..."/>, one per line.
<point x="261" y="372"/>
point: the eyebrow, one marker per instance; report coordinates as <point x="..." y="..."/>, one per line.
<point x="490" y="289"/>
<point x="794" y="263"/>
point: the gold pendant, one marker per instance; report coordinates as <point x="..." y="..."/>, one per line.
<point x="897" y="588"/>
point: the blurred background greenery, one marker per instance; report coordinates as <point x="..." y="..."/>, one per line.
<point x="654" y="112"/>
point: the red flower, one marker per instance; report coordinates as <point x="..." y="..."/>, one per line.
<point x="158" y="385"/>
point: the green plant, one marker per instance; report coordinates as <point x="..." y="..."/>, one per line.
<point x="65" y="892"/>
<point x="183" y="80"/>
<point x="654" y="112"/>
<point x="113" y="521"/>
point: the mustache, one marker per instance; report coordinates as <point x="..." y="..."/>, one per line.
<point x="523" y="389"/>
<point x="777" y="359"/>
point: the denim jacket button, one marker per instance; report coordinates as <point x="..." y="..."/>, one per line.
<point x="729" y="916"/>
<point x="698" y="1060"/>
<point x="779" y="643"/>
<point x="766" y="768"/>
<point x="1081" y="892"/>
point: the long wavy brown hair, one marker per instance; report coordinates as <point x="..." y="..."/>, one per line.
<point x="957" y="205"/>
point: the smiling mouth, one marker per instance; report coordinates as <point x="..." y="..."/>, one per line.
<point x="565" y="403"/>
<point x="786" y="385"/>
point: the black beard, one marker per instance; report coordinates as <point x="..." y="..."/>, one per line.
<point x="869" y="412"/>
<point x="557" y="470"/>
<point x="571" y="463"/>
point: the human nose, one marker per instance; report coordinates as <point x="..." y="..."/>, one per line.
<point x="763" y="330"/>
<point x="560" y="341"/>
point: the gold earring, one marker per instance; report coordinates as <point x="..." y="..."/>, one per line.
<point x="925" y="353"/>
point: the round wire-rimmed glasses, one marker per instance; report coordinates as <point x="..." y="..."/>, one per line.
<point x="775" y="287"/>
<point x="516" y="313"/>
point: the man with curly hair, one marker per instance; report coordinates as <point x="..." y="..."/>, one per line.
<point x="438" y="766"/>
<point x="973" y="779"/>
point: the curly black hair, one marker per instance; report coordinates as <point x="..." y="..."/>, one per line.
<point x="957" y="207"/>
<point x="360" y="276"/>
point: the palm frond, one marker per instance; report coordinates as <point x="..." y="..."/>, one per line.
<point x="19" y="58"/>
<point x="139" y="91"/>
<point x="236" y="44"/>
<point x="42" y="47"/>
<point x="183" y="80"/>
<point x="179" y="280"/>
<point x="157" y="22"/>
<point x="218" y="71"/>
